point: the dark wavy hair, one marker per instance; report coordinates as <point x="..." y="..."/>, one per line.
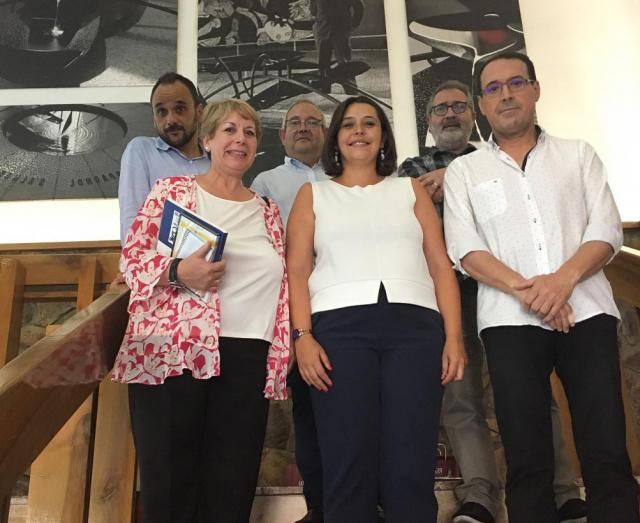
<point x="383" y="167"/>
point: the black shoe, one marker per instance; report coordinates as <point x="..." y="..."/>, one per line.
<point x="380" y="515"/>
<point x="472" y="513"/>
<point x="313" y="516"/>
<point x="573" y="511"/>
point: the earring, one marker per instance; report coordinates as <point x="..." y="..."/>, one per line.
<point x="381" y="155"/>
<point x="336" y="157"/>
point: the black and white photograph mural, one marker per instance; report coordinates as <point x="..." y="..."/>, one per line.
<point x="68" y="43"/>
<point x="52" y="152"/>
<point x="447" y="39"/>
<point x="271" y="52"/>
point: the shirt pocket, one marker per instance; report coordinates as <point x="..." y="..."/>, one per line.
<point x="488" y="200"/>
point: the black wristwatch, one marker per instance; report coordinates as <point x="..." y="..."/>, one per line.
<point x="173" y="273"/>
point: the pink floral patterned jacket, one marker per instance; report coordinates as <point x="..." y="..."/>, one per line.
<point x="169" y="329"/>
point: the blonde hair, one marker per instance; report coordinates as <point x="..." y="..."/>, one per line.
<point x="215" y="112"/>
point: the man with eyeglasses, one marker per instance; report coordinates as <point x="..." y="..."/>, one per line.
<point x="450" y="118"/>
<point x="302" y="135"/>
<point x="532" y="219"/>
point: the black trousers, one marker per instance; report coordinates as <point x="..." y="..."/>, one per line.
<point x="520" y="360"/>
<point x="199" y="442"/>
<point x="378" y="423"/>
<point x="307" y="449"/>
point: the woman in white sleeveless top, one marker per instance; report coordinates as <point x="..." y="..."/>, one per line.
<point x="375" y="310"/>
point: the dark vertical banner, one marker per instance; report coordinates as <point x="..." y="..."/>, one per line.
<point x="448" y="39"/>
<point x="273" y="52"/>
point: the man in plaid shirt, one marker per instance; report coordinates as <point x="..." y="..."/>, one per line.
<point x="450" y="117"/>
<point x="450" y="123"/>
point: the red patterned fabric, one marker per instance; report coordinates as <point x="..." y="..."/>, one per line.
<point x="169" y="329"/>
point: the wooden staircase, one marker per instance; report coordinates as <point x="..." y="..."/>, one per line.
<point x="62" y="418"/>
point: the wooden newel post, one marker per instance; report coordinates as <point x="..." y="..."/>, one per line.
<point x="11" y="305"/>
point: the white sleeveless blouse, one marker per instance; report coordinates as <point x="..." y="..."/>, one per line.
<point x="365" y="236"/>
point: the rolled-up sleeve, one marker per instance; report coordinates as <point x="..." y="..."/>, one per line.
<point x="460" y="230"/>
<point x="603" y="219"/>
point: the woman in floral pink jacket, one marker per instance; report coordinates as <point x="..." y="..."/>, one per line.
<point x="200" y="373"/>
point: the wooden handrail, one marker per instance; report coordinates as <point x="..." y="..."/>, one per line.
<point x="89" y="246"/>
<point x="41" y="388"/>
<point x="62" y="269"/>
<point x="624" y="275"/>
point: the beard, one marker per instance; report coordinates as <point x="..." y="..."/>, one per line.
<point x="181" y="140"/>
<point x="451" y="138"/>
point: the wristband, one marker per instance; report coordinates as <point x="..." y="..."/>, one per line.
<point x="298" y="333"/>
<point x="173" y="273"/>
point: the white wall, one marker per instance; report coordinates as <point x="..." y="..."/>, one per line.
<point x="587" y="57"/>
<point x="95" y="219"/>
<point x="586" y="54"/>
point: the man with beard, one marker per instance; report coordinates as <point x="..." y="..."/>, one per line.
<point x="176" y="107"/>
<point x="302" y="135"/>
<point x="450" y="117"/>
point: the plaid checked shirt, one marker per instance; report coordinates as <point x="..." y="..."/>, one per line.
<point x="431" y="159"/>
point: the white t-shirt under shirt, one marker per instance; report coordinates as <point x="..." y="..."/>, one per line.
<point x="250" y="287"/>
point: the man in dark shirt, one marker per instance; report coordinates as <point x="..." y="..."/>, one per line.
<point x="450" y="117"/>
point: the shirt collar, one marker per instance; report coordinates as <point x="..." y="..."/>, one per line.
<point x="541" y="136"/>
<point x="297" y="164"/>
<point x="164" y="146"/>
<point x="469" y="149"/>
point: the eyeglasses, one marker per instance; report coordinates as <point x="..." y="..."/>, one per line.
<point x="515" y="84"/>
<point x="456" y="107"/>
<point x="309" y="123"/>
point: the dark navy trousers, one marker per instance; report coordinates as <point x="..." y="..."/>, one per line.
<point x="378" y="423"/>
<point x="307" y="450"/>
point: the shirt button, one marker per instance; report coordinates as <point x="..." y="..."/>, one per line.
<point x="535" y="220"/>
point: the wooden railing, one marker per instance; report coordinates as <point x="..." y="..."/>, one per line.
<point x="60" y="417"/>
<point x="624" y="275"/>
